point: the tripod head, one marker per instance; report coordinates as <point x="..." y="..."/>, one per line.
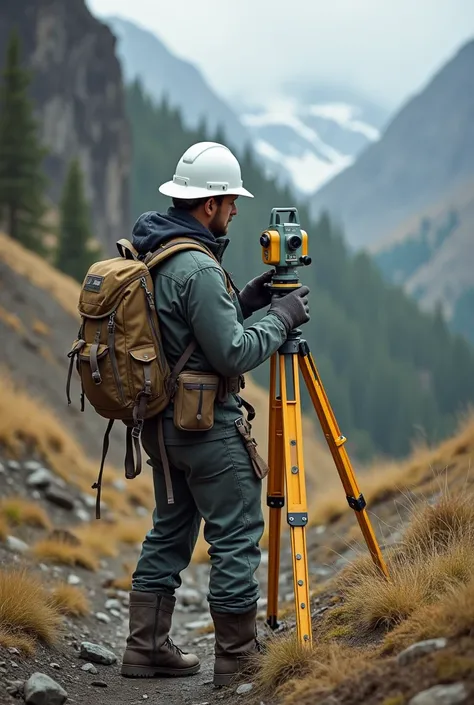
<point x="285" y="247"/>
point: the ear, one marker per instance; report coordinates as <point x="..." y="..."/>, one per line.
<point x="209" y="206"/>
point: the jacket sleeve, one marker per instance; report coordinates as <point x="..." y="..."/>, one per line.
<point x="227" y="345"/>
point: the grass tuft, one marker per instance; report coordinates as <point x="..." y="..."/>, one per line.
<point x="70" y="600"/>
<point x="3" y="529"/>
<point x="57" y="551"/>
<point x="283" y="659"/>
<point x="24" y="643"/>
<point x="26" y="614"/>
<point x="18" y="511"/>
<point x="100" y="543"/>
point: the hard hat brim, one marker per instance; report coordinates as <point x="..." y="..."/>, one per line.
<point x="170" y="188"/>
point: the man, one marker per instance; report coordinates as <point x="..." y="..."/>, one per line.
<point x="212" y="474"/>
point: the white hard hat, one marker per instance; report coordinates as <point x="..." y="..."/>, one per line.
<point x="206" y="169"/>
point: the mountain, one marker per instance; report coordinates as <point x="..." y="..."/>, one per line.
<point x="313" y="134"/>
<point x="391" y="372"/>
<point x="78" y="97"/>
<point x="431" y="256"/>
<point x="164" y="75"/>
<point x="302" y="141"/>
<point x="425" y="153"/>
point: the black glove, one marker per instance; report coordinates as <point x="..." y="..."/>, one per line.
<point x="256" y="294"/>
<point x="293" y="308"/>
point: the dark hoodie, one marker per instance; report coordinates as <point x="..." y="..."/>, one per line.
<point x="153" y="229"/>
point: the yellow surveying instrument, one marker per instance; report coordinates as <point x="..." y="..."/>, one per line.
<point x="285" y="247"/>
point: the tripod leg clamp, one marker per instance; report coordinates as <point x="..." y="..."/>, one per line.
<point x="357" y="504"/>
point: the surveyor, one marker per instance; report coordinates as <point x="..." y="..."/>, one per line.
<point x="214" y="477"/>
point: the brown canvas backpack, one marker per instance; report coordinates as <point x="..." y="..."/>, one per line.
<point x="118" y="352"/>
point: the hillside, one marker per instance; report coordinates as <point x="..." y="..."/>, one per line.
<point x="64" y="582"/>
<point x="385" y="365"/>
<point x="431" y="257"/>
<point x="77" y="93"/>
<point x="424" y="154"/>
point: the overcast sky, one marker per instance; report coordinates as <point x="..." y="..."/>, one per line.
<point x="386" y="48"/>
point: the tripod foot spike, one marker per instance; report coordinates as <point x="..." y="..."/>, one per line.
<point x="273" y="622"/>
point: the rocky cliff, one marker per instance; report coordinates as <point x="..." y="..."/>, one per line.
<point x="78" y="95"/>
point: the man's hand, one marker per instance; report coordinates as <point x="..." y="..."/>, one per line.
<point x="293" y="308"/>
<point x="256" y="294"/>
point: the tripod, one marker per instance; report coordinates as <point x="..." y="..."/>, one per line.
<point x="285" y="459"/>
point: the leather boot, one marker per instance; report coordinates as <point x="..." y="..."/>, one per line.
<point x="150" y="652"/>
<point x="236" y="640"/>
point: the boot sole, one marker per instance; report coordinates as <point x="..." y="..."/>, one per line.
<point x="157" y="671"/>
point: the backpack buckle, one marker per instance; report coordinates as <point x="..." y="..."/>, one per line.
<point x="137" y="429"/>
<point x="96" y="377"/>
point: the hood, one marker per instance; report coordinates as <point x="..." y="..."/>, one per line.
<point x="152" y="230"/>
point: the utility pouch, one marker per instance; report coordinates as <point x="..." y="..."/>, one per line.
<point x="194" y="401"/>
<point x="259" y="465"/>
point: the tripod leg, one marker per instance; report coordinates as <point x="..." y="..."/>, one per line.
<point x="295" y="487"/>
<point x="275" y="494"/>
<point x="335" y="441"/>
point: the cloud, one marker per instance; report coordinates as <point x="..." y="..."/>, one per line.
<point x="251" y="48"/>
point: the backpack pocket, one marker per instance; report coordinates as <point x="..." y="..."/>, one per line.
<point x="194" y="401"/>
<point x="97" y="367"/>
<point x="144" y="371"/>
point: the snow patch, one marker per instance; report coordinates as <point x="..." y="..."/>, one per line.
<point x="343" y="114"/>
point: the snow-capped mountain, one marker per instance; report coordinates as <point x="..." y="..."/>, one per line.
<point x="308" y="143"/>
<point x="302" y="141"/>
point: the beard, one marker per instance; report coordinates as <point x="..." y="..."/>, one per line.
<point x="216" y="226"/>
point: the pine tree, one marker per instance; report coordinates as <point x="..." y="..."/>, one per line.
<point x="22" y="181"/>
<point x="75" y="251"/>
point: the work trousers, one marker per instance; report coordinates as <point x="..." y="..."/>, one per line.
<point x="215" y="482"/>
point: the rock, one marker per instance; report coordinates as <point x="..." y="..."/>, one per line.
<point x="13" y="650"/>
<point x="90" y="668"/>
<point x="102" y="617"/>
<point x="190" y="597"/>
<point x="115" y="613"/>
<point x="112" y="604"/>
<point x="199" y="624"/>
<point x="89" y="501"/>
<point x="16" y="545"/>
<point x="40" y="479"/>
<point x="32" y="465"/>
<point x="55" y="665"/>
<point x="44" y="567"/>
<point x="244" y="688"/>
<point x="142" y="511"/>
<point x="40" y="689"/>
<point x="119" y="484"/>
<point x="97" y="653"/>
<point x="13" y="465"/>
<point x="13" y="664"/>
<point x="420" y="649"/>
<point x="60" y="498"/>
<point x="99" y="684"/>
<point x="2" y="469"/>
<point x="15" y="688"/>
<point x="441" y="695"/>
<point x="73" y="579"/>
<point x="82" y="515"/>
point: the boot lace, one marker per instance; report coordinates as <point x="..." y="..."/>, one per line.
<point x="172" y="647"/>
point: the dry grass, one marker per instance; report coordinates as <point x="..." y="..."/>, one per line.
<point x="12" y="321"/>
<point x="38" y="272"/>
<point x="41" y="328"/>
<point x="26" y="614"/>
<point x="297" y="674"/>
<point x="26" y="424"/>
<point x="3" y="529"/>
<point x="62" y="552"/>
<point x="17" y="511"/>
<point x="70" y="600"/>
<point x="22" y="642"/>
<point x="131" y="532"/>
<point x="102" y="544"/>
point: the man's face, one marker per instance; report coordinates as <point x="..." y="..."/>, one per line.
<point x="223" y="215"/>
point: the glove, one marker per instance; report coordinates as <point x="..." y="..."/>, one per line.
<point x="293" y="308"/>
<point x="256" y="294"/>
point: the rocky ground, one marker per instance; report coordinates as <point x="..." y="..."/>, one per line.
<point x="74" y="665"/>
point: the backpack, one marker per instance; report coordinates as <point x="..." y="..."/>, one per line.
<point x="118" y="352"/>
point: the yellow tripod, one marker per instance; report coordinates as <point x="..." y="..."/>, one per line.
<point x="285" y="459"/>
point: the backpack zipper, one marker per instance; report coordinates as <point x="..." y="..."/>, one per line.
<point x="113" y="358"/>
